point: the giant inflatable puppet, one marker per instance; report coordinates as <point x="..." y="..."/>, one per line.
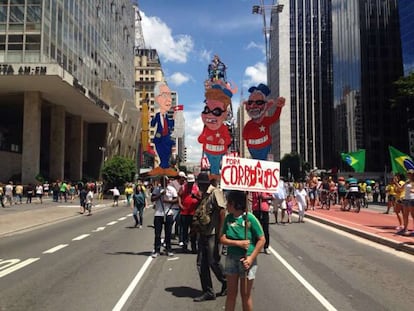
<point x="256" y="132"/>
<point x="164" y="125"/>
<point x="215" y="136"/>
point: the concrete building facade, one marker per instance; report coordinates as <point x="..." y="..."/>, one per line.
<point x="66" y="83"/>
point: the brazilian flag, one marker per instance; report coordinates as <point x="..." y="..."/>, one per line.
<point x="400" y="162"/>
<point x="356" y="160"/>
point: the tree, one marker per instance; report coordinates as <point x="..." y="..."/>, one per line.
<point x="405" y="86"/>
<point x="117" y="171"/>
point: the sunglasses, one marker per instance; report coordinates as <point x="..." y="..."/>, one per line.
<point x="257" y="102"/>
<point x="216" y="111"/>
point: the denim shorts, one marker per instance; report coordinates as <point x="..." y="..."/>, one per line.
<point x="233" y="265"/>
<point x="408" y="203"/>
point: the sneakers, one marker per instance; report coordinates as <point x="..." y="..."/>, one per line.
<point x="266" y="251"/>
<point x="170" y="254"/>
<point x="205" y="297"/>
<point x="155" y="254"/>
<point x="181" y="244"/>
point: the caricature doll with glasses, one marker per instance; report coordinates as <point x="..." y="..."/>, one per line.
<point x="256" y="132"/>
<point x="215" y="136"/>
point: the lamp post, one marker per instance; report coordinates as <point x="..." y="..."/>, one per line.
<point x="261" y="9"/>
<point x="102" y="149"/>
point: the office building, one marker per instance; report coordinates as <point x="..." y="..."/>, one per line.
<point x="66" y="83"/>
<point x="367" y="60"/>
<point x="301" y="71"/>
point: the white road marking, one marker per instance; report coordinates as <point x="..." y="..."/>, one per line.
<point x="7" y="263"/>
<point x="18" y="266"/>
<point x="111" y="223"/>
<point x="122" y="218"/>
<point x="55" y="249"/>
<point x="305" y="283"/>
<point x="129" y="215"/>
<point x="99" y="229"/>
<point x="173" y="258"/>
<point x="121" y="302"/>
<point x="81" y="237"/>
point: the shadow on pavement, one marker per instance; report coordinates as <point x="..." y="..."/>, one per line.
<point x="184" y="291"/>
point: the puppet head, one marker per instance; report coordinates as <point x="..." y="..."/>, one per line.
<point x="162" y="96"/>
<point x="215" y="110"/>
<point x="257" y="105"/>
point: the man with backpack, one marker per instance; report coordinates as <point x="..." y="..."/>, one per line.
<point x="208" y="221"/>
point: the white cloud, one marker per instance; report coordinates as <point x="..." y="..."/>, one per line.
<point x="159" y="36"/>
<point x="206" y="56"/>
<point x="254" y="45"/>
<point x="255" y="74"/>
<point x="178" y="78"/>
<point x="193" y="128"/>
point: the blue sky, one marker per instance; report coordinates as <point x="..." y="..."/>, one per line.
<point x="187" y="34"/>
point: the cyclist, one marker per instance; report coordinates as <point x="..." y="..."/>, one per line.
<point x="342" y="191"/>
<point x="353" y="192"/>
<point x="324" y="191"/>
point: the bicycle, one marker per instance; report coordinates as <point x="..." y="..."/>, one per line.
<point x="325" y="201"/>
<point x="353" y="202"/>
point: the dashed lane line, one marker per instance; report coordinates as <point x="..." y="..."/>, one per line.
<point x="99" y="229"/>
<point x="111" y="223"/>
<point x="81" y="237"/>
<point x="55" y="249"/>
<point x="122" y="218"/>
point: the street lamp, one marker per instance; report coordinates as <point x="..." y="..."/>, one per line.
<point x="261" y="9"/>
<point x="102" y="149"/>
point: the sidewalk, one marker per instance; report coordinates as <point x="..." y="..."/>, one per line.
<point x="369" y="223"/>
<point x="20" y="217"/>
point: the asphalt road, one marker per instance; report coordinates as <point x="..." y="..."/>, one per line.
<point x="103" y="263"/>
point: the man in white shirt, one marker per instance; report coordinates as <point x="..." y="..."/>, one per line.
<point x="280" y="200"/>
<point x="164" y="197"/>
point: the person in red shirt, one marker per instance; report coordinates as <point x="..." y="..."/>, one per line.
<point x="261" y="208"/>
<point x="188" y="198"/>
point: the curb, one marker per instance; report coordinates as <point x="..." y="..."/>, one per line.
<point x="368" y="236"/>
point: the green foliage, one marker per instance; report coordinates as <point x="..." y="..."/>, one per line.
<point x="405" y="86"/>
<point x="404" y="91"/>
<point x="39" y="178"/>
<point x="117" y="171"/>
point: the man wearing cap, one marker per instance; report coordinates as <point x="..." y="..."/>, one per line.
<point x="208" y="256"/>
<point x="256" y="132"/>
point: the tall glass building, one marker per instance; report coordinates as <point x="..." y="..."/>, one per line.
<point x="367" y="60"/>
<point x="406" y="11"/>
<point x="301" y="71"/>
<point x="67" y="87"/>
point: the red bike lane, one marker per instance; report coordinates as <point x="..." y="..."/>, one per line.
<point x="370" y="224"/>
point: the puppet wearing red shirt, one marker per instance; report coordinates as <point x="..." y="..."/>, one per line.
<point x="256" y="132"/>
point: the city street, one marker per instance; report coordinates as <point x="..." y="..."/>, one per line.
<point x="103" y="263"/>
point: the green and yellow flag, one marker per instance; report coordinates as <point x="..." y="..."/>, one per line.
<point x="400" y="162"/>
<point x="356" y="160"/>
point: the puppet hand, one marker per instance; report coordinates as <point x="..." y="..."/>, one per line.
<point x="209" y="138"/>
<point x="221" y="141"/>
<point x="280" y="102"/>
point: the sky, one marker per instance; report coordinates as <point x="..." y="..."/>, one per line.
<point x="187" y="34"/>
